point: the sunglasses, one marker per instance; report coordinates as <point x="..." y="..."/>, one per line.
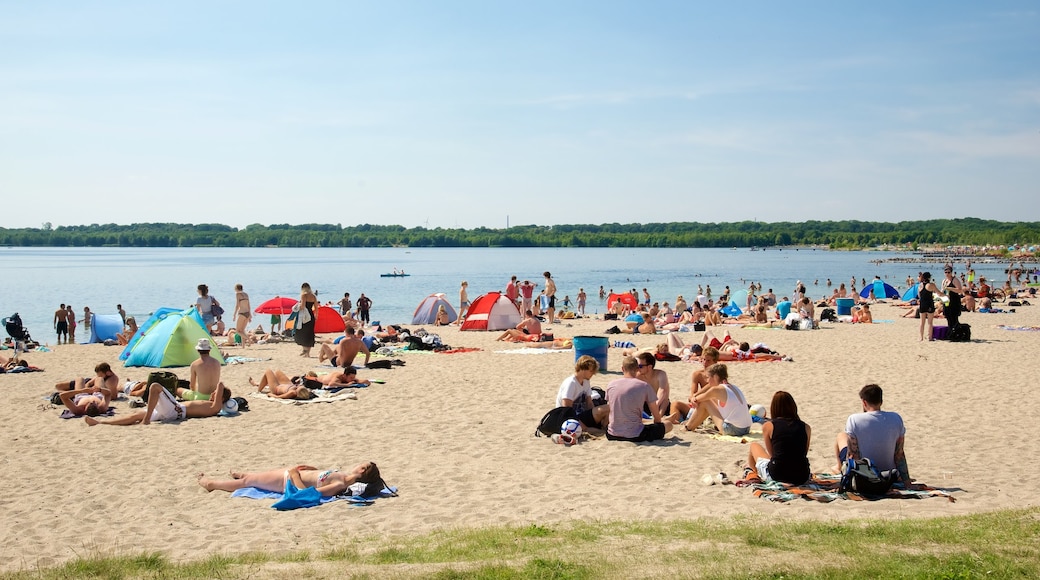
<point x="642" y="366"/>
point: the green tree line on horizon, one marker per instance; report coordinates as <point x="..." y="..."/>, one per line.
<point x="833" y="234"/>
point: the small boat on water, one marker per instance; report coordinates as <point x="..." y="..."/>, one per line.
<point x="394" y="275"/>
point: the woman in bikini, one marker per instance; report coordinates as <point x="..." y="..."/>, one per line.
<point x="330" y="482"/>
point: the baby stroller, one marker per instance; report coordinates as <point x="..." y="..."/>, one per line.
<point x="22" y="341"/>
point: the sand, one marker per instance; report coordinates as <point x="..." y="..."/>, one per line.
<point x="455" y="434"/>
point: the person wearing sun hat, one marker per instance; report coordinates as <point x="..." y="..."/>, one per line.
<point x="205" y="372"/>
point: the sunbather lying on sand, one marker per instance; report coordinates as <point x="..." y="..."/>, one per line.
<point x="330" y="482"/>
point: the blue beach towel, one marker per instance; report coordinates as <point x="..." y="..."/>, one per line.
<point x="357" y="500"/>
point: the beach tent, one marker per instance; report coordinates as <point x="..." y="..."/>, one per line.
<point x="625" y="298"/>
<point x="732" y="310"/>
<point x="492" y="311"/>
<point x="104" y="327"/>
<point x="911" y="293"/>
<point x="881" y="290"/>
<point x="329" y="320"/>
<point x="156" y="316"/>
<point x="170" y="341"/>
<point x="426" y="312"/>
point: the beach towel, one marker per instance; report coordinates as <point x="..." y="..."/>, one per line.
<point x="322" y="396"/>
<point x="529" y="350"/>
<point x="15" y="370"/>
<point x="237" y="360"/>
<point x="457" y="350"/>
<point x="351" y="498"/>
<point x="823" y="487"/>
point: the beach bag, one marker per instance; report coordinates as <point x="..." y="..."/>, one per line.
<point x="164" y="378"/>
<point x="862" y="477"/>
<point x="829" y="315"/>
<point x="599" y="397"/>
<point x="379" y="364"/>
<point x="959" y="333"/>
<point x="699" y="326"/>
<point x="553" y="420"/>
<point x="216" y="309"/>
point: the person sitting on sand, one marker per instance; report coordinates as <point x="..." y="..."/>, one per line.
<point x="90" y="401"/>
<point x="723" y="402"/>
<point x="875" y="434"/>
<point x="236" y="338"/>
<point x="205" y="374"/>
<point x="442" y="317"/>
<point x="529" y="330"/>
<point x="123" y="338"/>
<point x="783" y="454"/>
<point x="103" y="378"/>
<point x="698" y="382"/>
<point x="647" y="371"/>
<point x="576" y="391"/>
<point x="626" y="398"/>
<point x="329" y="482"/>
<point x="346" y="351"/>
<point x="862" y="314"/>
<point x="644" y="327"/>
<point x="163" y="408"/>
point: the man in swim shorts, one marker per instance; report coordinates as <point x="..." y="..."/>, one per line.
<point x="61" y="323"/>
<point x="205" y="372"/>
<point x="163" y="408"/>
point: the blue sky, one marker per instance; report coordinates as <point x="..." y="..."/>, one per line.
<point x="466" y="114"/>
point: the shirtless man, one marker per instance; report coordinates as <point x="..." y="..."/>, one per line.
<point x="205" y="374"/>
<point x="550" y="291"/>
<point x="103" y="379"/>
<point x="680" y="409"/>
<point x="61" y="323"/>
<point x="348" y="349"/>
<point x="657" y="379"/>
<point x="163" y="408"/>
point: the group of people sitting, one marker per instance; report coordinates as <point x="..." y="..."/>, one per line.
<point x="637" y="408"/>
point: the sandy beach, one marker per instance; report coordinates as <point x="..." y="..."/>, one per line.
<point x="454" y="433"/>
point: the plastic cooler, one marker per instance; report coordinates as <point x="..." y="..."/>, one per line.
<point x="594" y="346"/>
<point x="844" y="306"/>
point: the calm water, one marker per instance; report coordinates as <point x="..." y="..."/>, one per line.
<point x="37" y="280"/>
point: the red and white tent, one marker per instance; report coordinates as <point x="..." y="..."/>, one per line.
<point x="492" y="311"/>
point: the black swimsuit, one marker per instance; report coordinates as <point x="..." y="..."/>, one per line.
<point x="927" y="301"/>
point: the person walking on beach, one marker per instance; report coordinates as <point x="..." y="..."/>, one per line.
<point x="364" y="305"/>
<point x="463" y="302"/>
<point x="243" y="311"/>
<point x="61" y="323"/>
<point x="550" y="292"/>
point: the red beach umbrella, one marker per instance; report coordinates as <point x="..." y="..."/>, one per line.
<point x="277" y="305"/>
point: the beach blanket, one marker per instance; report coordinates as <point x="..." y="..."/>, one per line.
<point x="529" y="350"/>
<point x="237" y="360"/>
<point x="1026" y="328"/>
<point x="354" y="500"/>
<point x="323" y="396"/>
<point x="457" y="350"/>
<point x="823" y="487"/>
<point x="752" y="436"/>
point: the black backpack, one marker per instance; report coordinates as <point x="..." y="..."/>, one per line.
<point x="553" y="420"/>
<point x="862" y="477"/>
<point x="959" y="333"/>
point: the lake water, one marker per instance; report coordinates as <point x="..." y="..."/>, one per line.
<point x="37" y="280"/>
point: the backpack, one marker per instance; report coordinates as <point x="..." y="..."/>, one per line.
<point x="164" y="378"/>
<point x="829" y="315"/>
<point x="959" y="333"/>
<point x="553" y="420"/>
<point x="862" y="477"/>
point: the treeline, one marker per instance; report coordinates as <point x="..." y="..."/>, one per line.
<point x="833" y="234"/>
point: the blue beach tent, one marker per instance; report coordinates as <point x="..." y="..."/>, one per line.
<point x="910" y="294"/>
<point x="732" y="310"/>
<point x="155" y="317"/>
<point x="104" y="327"/>
<point x="170" y="341"/>
<point x="881" y="290"/>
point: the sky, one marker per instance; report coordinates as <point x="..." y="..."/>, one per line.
<point x="466" y="114"/>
